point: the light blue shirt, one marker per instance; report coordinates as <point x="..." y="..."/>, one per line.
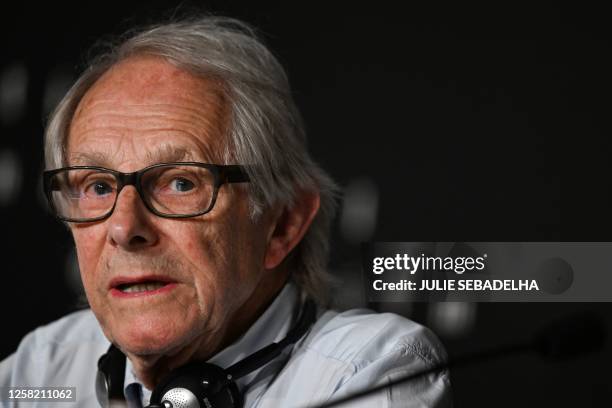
<point x="341" y="354"/>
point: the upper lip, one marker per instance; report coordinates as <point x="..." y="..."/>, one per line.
<point x="125" y="280"/>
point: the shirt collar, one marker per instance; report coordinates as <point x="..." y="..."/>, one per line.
<point x="272" y="326"/>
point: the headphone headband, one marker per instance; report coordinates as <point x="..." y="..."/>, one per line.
<point x="270" y="352"/>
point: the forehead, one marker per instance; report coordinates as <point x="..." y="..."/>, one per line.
<point x="152" y="106"/>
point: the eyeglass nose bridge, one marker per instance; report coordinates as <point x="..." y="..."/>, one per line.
<point x="128" y="179"/>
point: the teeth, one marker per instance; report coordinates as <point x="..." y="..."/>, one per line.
<point x="141" y="287"/>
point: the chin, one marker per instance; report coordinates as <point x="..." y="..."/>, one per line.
<point x="150" y="337"/>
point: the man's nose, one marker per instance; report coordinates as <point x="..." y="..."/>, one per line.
<point x="129" y="226"/>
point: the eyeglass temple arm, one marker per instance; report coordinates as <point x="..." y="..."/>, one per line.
<point x="234" y="173"/>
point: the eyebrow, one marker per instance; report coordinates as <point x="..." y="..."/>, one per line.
<point x="164" y="154"/>
<point x="88" y="159"/>
<point x="167" y="154"/>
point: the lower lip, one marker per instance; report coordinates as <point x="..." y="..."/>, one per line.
<point x="164" y="289"/>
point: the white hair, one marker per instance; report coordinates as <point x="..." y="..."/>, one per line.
<point x="266" y="128"/>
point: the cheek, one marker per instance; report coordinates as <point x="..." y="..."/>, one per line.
<point x="209" y="251"/>
<point x="223" y="255"/>
<point x="89" y="244"/>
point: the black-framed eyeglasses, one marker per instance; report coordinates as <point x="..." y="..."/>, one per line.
<point x="170" y="190"/>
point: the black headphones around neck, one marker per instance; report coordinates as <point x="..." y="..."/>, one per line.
<point x="197" y="384"/>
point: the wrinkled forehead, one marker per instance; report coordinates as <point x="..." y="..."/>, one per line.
<point x="153" y="106"/>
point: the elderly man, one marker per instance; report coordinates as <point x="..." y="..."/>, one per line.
<point x="178" y="161"/>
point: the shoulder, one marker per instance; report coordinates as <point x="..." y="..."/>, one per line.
<point x="72" y="330"/>
<point x="349" y="351"/>
<point x="361" y="336"/>
<point x="61" y="348"/>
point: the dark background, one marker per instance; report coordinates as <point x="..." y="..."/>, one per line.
<point x="460" y="123"/>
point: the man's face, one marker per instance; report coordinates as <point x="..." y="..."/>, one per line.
<point x="142" y="112"/>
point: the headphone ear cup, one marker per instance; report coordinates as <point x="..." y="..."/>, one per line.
<point x="110" y="376"/>
<point x="198" y="385"/>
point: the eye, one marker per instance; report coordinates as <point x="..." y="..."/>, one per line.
<point x="100" y="188"/>
<point x="181" y="184"/>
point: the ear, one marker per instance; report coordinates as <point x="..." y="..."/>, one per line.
<point x="290" y="227"/>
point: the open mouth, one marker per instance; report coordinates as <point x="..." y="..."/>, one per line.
<point x="142" y="286"/>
